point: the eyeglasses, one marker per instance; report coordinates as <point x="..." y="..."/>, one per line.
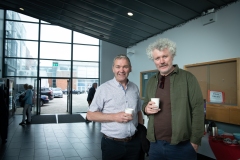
<point x="162" y="80"/>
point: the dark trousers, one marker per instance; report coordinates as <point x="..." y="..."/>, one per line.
<point x="164" y="151"/>
<point x="116" y="150"/>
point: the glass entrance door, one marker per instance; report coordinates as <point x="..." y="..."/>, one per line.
<point x="55" y="96"/>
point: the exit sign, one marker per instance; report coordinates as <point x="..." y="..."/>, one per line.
<point x="55" y="64"/>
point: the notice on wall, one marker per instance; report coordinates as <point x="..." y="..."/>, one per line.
<point x="216" y="96"/>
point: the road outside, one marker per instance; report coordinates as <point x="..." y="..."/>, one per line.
<point x="59" y="105"/>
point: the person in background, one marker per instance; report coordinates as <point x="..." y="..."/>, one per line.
<point x="22" y="102"/>
<point x="28" y="104"/>
<point x="175" y="130"/>
<point x="91" y="94"/>
<point x="119" y="129"/>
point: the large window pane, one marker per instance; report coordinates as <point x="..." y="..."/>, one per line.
<point x="23" y="49"/>
<point x="85" y="70"/>
<point x="85" y="53"/>
<point x="55" y="33"/>
<point x="20" y="17"/>
<point x="55" y="50"/>
<point x="51" y="68"/>
<point x="79" y="103"/>
<point x="21" y="30"/>
<point x="84" y="39"/>
<point x="20" y="67"/>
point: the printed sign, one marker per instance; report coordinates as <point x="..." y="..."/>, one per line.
<point x="216" y="96"/>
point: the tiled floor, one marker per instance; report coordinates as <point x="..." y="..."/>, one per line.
<point x="65" y="141"/>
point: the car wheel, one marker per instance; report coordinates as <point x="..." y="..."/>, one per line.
<point x="41" y="103"/>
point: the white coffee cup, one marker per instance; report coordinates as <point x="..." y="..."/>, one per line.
<point x="129" y="110"/>
<point x="156" y="100"/>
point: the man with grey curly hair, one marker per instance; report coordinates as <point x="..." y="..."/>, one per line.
<point x="175" y="128"/>
<point x="160" y="45"/>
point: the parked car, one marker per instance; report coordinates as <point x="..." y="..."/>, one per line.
<point x="44" y="100"/>
<point x="65" y="91"/>
<point x="57" y="92"/>
<point x="48" y="92"/>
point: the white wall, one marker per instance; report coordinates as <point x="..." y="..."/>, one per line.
<point x="195" y="43"/>
<point x="1" y="40"/>
<point x="107" y="53"/>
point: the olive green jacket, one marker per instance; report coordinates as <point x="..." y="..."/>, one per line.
<point x="187" y="107"/>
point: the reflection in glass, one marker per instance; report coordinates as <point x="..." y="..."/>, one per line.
<point x="85" y="69"/>
<point x="19" y="48"/>
<point x="85" y="53"/>
<point x="20" y="17"/>
<point x="21" y="67"/>
<point x="51" y="68"/>
<point x="84" y="39"/>
<point x="21" y="30"/>
<point x="55" y="33"/>
<point x="55" y="50"/>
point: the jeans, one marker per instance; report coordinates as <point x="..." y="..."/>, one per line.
<point x="27" y="109"/>
<point x="116" y="150"/>
<point x="164" y="151"/>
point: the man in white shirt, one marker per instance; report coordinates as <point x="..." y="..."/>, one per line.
<point x="119" y="129"/>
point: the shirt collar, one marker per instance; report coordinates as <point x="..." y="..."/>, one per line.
<point x="176" y="70"/>
<point x="119" y="84"/>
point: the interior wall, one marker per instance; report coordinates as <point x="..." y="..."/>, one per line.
<point x="108" y="52"/>
<point x="1" y="40"/>
<point x="195" y="42"/>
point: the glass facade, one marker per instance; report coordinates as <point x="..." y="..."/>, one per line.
<point x="36" y="49"/>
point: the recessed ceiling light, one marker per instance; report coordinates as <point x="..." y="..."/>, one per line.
<point x="22" y="9"/>
<point x="130" y="13"/>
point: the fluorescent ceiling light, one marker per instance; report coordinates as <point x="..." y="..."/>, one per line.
<point x="130" y="13"/>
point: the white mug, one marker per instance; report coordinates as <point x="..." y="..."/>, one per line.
<point x="156" y="100"/>
<point x="129" y="110"/>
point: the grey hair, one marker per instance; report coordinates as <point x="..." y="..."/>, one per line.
<point x="160" y="45"/>
<point x="122" y="56"/>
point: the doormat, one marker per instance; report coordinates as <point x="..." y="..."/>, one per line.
<point x="70" y="118"/>
<point x="43" y="119"/>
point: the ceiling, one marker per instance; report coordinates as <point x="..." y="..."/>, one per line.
<point x="108" y="20"/>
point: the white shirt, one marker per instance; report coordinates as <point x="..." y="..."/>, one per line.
<point x="110" y="97"/>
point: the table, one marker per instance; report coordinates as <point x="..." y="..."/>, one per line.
<point x="218" y="150"/>
<point x="224" y="151"/>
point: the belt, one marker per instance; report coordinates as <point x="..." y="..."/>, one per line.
<point x="127" y="139"/>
